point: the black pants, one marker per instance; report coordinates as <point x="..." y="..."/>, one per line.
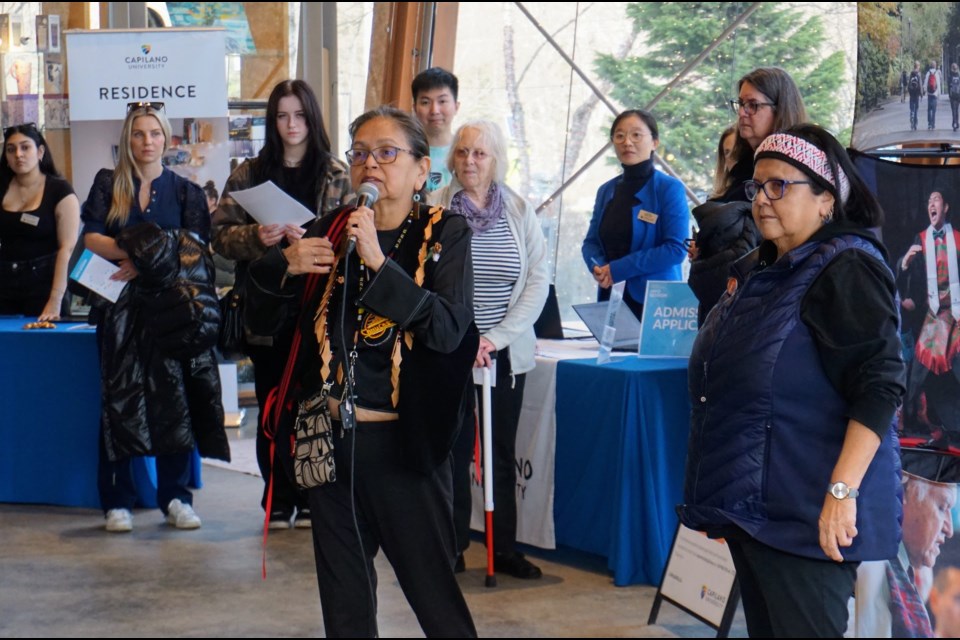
<point x="404" y="512"/>
<point x="507" y="400"/>
<point x="788" y="596"/>
<point x="268" y="364"/>
<point x="954" y="107"/>
<point x="914" y="108"/>
<point x="25" y="285"/>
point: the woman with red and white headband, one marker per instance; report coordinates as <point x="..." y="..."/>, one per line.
<point x="795" y="382"/>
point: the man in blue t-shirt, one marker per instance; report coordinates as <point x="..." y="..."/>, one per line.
<point x="435" y="105"/>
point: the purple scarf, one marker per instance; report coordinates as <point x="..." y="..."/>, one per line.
<point x="479" y="219"/>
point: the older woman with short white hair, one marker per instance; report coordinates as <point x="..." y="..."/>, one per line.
<point x="510" y="288"/>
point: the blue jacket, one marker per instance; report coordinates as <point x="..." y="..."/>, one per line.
<point x="656" y="250"/>
<point x="767" y="425"/>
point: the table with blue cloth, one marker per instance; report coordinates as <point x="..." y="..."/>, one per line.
<point x="621" y="446"/>
<point x="50" y="418"/>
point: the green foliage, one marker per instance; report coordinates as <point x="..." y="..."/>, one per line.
<point x="694" y="113"/>
<point x="873" y="67"/>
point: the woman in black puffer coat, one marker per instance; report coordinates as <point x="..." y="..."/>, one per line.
<point x="160" y="382"/>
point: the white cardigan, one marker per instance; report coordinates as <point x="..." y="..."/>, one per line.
<point x="530" y="292"/>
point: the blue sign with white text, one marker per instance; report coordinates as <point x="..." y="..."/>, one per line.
<point x="669" y="324"/>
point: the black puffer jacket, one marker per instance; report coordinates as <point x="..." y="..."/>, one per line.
<point x="160" y="382"/>
<point x="727" y="232"/>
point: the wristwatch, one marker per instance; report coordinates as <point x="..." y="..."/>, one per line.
<point x="841" y="491"/>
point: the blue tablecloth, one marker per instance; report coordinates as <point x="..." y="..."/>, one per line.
<point x="50" y="418"/>
<point x="620" y="453"/>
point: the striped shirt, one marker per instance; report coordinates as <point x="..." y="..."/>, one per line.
<point x="496" y="267"/>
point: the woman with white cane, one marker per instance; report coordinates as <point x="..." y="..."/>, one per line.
<point x="510" y="287"/>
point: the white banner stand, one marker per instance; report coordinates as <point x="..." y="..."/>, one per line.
<point x="182" y="68"/>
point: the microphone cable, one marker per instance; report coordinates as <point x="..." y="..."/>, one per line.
<point x="349" y="422"/>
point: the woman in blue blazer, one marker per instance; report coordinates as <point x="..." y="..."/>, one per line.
<point x="640" y="218"/>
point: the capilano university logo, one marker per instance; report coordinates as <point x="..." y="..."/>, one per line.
<point x="146" y="61"/>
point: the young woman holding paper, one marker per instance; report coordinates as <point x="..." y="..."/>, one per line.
<point x="296" y="156"/>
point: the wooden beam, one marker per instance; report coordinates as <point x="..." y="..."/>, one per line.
<point x="395" y="55"/>
<point x="445" y="36"/>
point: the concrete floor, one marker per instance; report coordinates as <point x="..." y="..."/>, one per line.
<point x="62" y="575"/>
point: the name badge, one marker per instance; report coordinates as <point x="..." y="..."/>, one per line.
<point x="647" y="216"/>
<point x="30" y="219"/>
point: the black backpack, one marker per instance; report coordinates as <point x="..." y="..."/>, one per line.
<point x="954" y="86"/>
<point x="914" y="85"/>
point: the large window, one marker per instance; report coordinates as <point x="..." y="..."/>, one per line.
<point x="519" y="65"/>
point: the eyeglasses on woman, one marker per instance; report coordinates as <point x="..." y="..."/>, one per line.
<point x="774" y="189"/>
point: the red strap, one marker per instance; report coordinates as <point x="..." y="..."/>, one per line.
<point x="278" y="396"/>
<point x="477" y="449"/>
<point x="266" y="517"/>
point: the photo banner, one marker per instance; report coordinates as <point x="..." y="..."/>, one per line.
<point x="918" y="201"/>
<point x="906" y="52"/>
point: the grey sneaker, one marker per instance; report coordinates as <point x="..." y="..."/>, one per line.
<point x="181" y="515"/>
<point x="119" y="520"/>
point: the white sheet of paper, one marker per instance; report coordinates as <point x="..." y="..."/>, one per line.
<point x="268" y="204"/>
<point x="94" y="273"/>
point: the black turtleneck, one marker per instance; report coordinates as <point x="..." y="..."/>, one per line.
<point x="616" y="227"/>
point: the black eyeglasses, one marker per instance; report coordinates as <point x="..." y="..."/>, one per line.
<point x="750" y="107"/>
<point x="774" y="188"/>
<point x="156" y="106"/>
<point x="18" y="128"/>
<point x="383" y="155"/>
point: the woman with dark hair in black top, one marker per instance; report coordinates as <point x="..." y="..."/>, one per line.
<point x="39" y="223"/>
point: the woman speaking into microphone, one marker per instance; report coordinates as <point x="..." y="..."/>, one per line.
<point x="385" y="344"/>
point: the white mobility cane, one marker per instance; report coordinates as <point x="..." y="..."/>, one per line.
<point x="491" y="580"/>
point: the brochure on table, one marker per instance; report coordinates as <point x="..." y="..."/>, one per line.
<point x="182" y="68"/>
<point x="669" y="324"/>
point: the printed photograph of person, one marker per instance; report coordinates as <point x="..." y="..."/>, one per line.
<point x="922" y="246"/>
<point x="944" y="603"/>
<point x="891" y="595"/>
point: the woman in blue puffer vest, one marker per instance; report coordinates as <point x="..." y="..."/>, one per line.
<point x="795" y="380"/>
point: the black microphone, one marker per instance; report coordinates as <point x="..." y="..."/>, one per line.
<point x="367" y="194"/>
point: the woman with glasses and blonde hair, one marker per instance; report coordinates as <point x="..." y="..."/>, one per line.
<point x="795" y="379"/>
<point x="39" y="223"/>
<point x="160" y="384"/>
<point x="384" y="349"/>
<point x="640" y="218"/>
<point x="296" y="156"/>
<point x="511" y="282"/>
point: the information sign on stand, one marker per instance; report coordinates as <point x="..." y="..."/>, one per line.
<point x="669" y="324"/>
<point x="180" y="72"/>
<point x="700" y="580"/>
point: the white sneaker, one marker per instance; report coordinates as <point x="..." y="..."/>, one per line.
<point x="119" y="520"/>
<point x="181" y="515"/>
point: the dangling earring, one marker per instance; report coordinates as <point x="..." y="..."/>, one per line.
<point x="416" y="197"/>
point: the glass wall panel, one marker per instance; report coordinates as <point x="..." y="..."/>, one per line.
<point x="511" y="73"/>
